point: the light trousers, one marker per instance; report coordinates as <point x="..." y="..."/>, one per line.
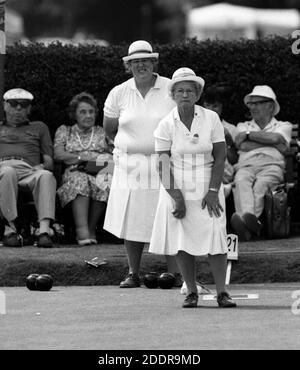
<point x="252" y="181"/>
<point x="41" y="183"/>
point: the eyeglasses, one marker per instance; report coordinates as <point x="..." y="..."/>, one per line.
<point x="182" y="91"/>
<point x="22" y="103"/>
<point x="259" y="102"/>
<point x="141" y="61"/>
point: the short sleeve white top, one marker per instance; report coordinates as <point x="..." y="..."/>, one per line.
<point x="138" y="116"/>
<point x="206" y="129"/>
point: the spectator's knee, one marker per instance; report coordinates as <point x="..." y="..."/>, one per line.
<point x="8" y="171"/>
<point x="47" y="176"/>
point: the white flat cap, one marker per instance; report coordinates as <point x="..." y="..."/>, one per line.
<point x="17" y="94"/>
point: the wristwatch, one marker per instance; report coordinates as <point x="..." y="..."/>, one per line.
<point x="215" y="190"/>
<point x="247" y="134"/>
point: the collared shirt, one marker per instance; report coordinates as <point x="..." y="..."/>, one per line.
<point x="138" y="116"/>
<point x="206" y="130"/>
<point x="28" y="141"/>
<point x="283" y="128"/>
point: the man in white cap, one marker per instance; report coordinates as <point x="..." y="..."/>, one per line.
<point x="261" y="143"/>
<point x="26" y="152"/>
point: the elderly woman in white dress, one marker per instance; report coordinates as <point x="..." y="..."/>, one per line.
<point x="132" y="111"/>
<point x="190" y="219"/>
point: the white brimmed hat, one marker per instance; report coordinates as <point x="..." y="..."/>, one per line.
<point x="17" y="94"/>
<point x="139" y="50"/>
<point x="185" y="74"/>
<point x="264" y="91"/>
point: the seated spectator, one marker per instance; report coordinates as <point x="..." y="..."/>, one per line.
<point x="74" y="144"/>
<point x="298" y="154"/>
<point x="26" y="162"/>
<point x="262" y="143"/>
<point x="214" y="98"/>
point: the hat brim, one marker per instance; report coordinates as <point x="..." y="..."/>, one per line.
<point x="277" y="106"/>
<point x="140" y="56"/>
<point x="197" y="79"/>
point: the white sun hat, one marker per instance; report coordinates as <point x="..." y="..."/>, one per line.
<point x="140" y="49"/>
<point x="185" y="74"/>
<point x="263" y="91"/>
<point x="17" y="94"/>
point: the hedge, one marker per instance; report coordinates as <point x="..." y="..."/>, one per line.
<point x="55" y="73"/>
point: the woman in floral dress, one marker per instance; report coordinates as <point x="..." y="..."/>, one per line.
<point x="74" y="144"/>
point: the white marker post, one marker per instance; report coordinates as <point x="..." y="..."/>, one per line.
<point x="232" y="255"/>
<point x="2" y="303"/>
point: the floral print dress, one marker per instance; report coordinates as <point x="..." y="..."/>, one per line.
<point x="74" y="182"/>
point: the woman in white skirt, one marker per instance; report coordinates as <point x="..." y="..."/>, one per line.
<point x="190" y="219"/>
<point x="132" y="111"/>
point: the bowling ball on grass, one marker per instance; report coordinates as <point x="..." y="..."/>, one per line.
<point x="151" y="280"/>
<point x="44" y="282"/>
<point x="31" y="281"/>
<point x="166" y="280"/>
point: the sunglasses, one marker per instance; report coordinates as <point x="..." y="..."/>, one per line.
<point x="22" y="103"/>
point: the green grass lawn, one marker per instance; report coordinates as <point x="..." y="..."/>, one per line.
<point x="259" y="262"/>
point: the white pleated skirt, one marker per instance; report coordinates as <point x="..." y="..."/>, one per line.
<point x="197" y="233"/>
<point x="131" y="210"/>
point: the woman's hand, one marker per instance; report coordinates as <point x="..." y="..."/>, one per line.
<point x="179" y="210"/>
<point x="84" y="158"/>
<point x="211" y="200"/>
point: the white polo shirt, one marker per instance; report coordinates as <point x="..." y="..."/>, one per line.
<point x="138" y="116"/>
<point x="283" y="128"/>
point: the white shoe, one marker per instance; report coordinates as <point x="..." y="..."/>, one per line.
<point x="84" y="241"/>
<point x="200" y="287"/>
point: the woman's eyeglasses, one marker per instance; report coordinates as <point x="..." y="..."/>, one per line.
<point x="182" y="92"/>
<point x="22" y="103"/>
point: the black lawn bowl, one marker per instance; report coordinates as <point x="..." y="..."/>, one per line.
<point x="31" y="281"/>
<point x="166" y="280"/>
<point x="44" y="282"/>
<point x="151" y="280"/>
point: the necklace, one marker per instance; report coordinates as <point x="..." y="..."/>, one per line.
<point x="85" y="147"/>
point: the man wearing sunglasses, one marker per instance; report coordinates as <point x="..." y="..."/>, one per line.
<point x="26" y="153"/>
<point x="261" y="144"/>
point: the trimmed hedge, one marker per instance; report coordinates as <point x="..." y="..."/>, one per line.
<point x="54" y="74"/>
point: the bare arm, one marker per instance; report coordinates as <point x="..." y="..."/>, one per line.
<point x="261" y="139"/>
<point x="47" y="162"/>
<point x="231" y="150"/>
<point x="60" y="152"/>
<point x="270" y="139"/>
<point x="110" y="126"/>
<point x="167" y="179"/>
<point x="211" y="199"/>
